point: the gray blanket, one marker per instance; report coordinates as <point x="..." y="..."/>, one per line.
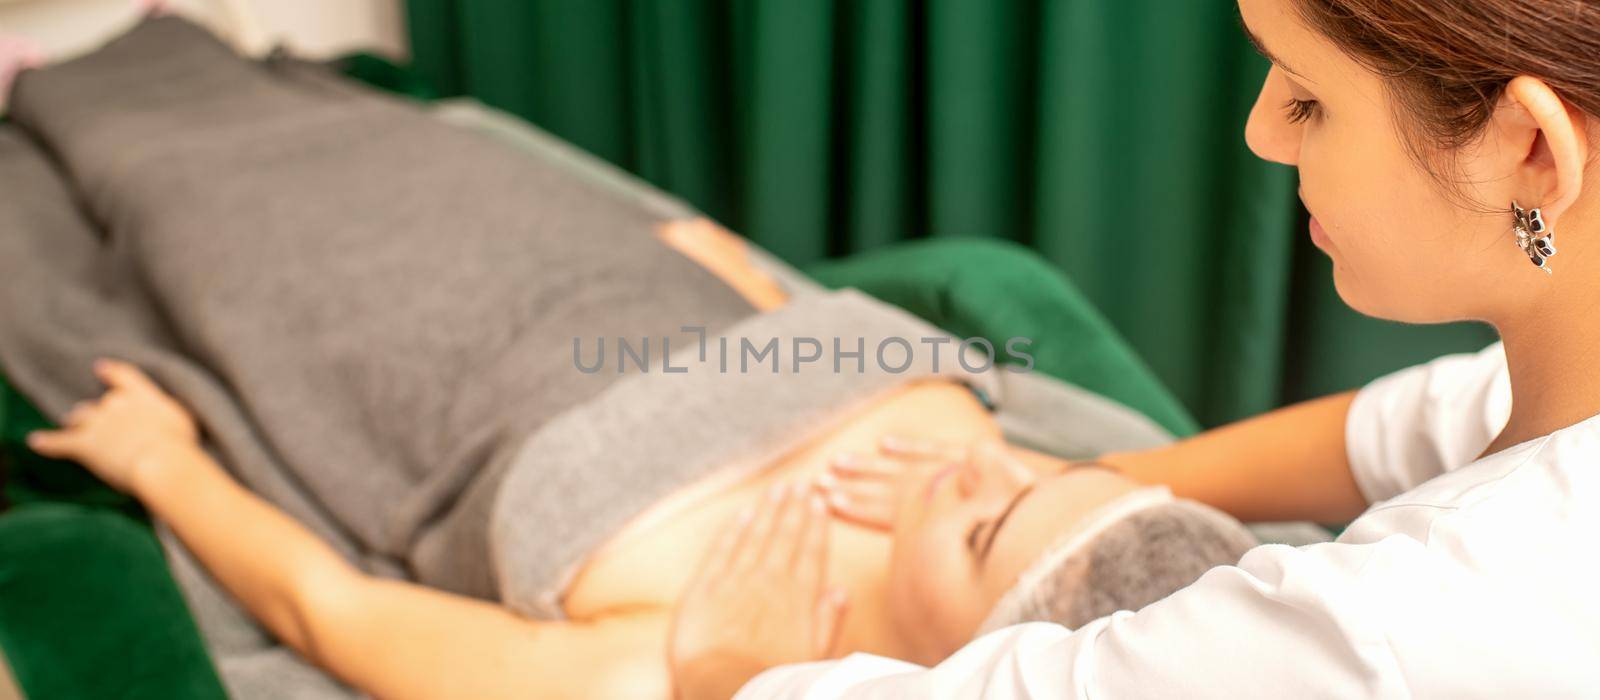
<point x="373" y="316"/>
<point x="384" y="299"/>
<point x="369" y="309"/>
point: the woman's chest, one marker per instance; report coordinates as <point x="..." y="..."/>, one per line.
<point x="650" y="566"/>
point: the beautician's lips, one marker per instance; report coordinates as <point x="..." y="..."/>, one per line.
<point x="1318" y="236"/>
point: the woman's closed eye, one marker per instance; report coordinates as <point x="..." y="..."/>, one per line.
<point x="986" y="530"/>
<point x="972" y="536"/>
<point x="1301" y="110"/>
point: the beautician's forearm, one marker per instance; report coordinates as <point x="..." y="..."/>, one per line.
<point x="260" y="555"/>
<point x="1288" y="464"/>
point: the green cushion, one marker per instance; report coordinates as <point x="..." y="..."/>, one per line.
<point x="88" y="609"/>
<point x="977" y="287"/>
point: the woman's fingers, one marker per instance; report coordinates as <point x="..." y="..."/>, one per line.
<point x="810" y="558"/>
<point x="828" y="622"/>
<point x="724" y="548"/>
<point x="758" y="537"/>
<point x="790" y="531"/>
<point x="77" y="413"/>
<point x="856" y="491"/>
<point x="810" y="567"/>
<point x="865" y="502"/>
<point x="122" y="375"/>
<point x="855" y="465"/>
<point x="55" y="444"/>
<point x="920" y="448"/>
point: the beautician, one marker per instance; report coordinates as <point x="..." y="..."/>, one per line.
<point x="1441" y="145"/>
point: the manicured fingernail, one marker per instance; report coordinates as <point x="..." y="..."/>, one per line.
<point x="896" y="443"/>
<point x="33" y="439"/>
<point x="776" y="492"/>
<point x="818" y="507"/>
<point x="846" y="459"/>
<point x="827" y="481"/>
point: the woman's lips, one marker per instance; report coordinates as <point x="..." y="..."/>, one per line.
<point x="1318" y="236"/>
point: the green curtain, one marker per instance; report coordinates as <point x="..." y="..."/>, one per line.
<point x="1105" y="134"/>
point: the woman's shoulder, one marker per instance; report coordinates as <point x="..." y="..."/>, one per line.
<point x="1417" y="422"/>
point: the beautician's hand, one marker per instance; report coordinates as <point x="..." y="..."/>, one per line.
<point x="759" y="599"/>
<point x="128" y="429"/>
<point x="865" y="488"/>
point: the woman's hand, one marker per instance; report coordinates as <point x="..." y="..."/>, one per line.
<point x="133" y="426"/>
<point x="759" y="599"/>
<point x="865" y="488"/>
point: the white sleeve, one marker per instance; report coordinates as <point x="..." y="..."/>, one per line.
<point x="1415" y="423"/>
<point x="1285" y="622"/>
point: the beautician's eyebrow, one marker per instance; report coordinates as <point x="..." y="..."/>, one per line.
<point x="1261" y="48"/>
<point x="994" y="530"/>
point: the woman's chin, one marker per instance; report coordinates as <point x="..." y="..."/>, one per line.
<point x="1352" y="296"/>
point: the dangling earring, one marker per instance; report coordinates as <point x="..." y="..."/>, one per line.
<point x="1532" y="235"/>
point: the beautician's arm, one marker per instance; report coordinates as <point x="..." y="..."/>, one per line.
<point x="391" y="639"/>
<point x="1287" y="464"/>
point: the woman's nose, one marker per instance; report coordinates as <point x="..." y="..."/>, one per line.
<point x="1268" y="131"/>
<point x="990" y="465"/>
<point x="969" y="478"/>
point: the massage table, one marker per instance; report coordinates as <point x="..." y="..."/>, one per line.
<point x="88" y="607"/>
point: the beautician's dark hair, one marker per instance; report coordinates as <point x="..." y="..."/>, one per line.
<point x="1446" y="62"/>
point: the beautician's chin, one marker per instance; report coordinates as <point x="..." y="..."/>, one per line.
<point x="1319" y="235"/>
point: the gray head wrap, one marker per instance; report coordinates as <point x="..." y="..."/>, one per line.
<point x="1124" y="555"/>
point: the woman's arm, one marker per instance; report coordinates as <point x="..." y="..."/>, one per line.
<point x="389" y="638"/>
<point x="1287" y="464"/>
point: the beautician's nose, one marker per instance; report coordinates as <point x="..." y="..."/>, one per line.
<point x="1268" y="131"/>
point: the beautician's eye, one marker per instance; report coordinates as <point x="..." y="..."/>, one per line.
<point x="1301" y="110"/>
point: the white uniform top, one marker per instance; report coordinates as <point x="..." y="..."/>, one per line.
<point x="1463" y="579"/>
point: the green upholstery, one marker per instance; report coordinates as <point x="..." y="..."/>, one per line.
<point x="983" y="287"/>
<point x="88" y="610"/>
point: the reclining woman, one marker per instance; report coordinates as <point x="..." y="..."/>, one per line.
<point x="1084" y="542"/>
<point x="398" y="375"/>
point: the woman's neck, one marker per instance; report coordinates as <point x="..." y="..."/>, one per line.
<point x="1553" y="356"/>
<point x="861" y="559"/>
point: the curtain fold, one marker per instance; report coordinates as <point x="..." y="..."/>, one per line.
<point x="1106" y="134"/>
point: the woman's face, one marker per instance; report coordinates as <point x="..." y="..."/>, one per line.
<point x="965" y="532"/>
<point x="1402" y="249"/>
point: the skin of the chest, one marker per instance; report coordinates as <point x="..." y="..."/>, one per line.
<point x="648" y="568"/>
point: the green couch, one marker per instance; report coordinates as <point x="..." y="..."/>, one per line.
<point x="88" y="609"/>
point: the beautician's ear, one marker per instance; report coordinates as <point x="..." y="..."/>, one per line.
<point x="1551" y="139"/>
